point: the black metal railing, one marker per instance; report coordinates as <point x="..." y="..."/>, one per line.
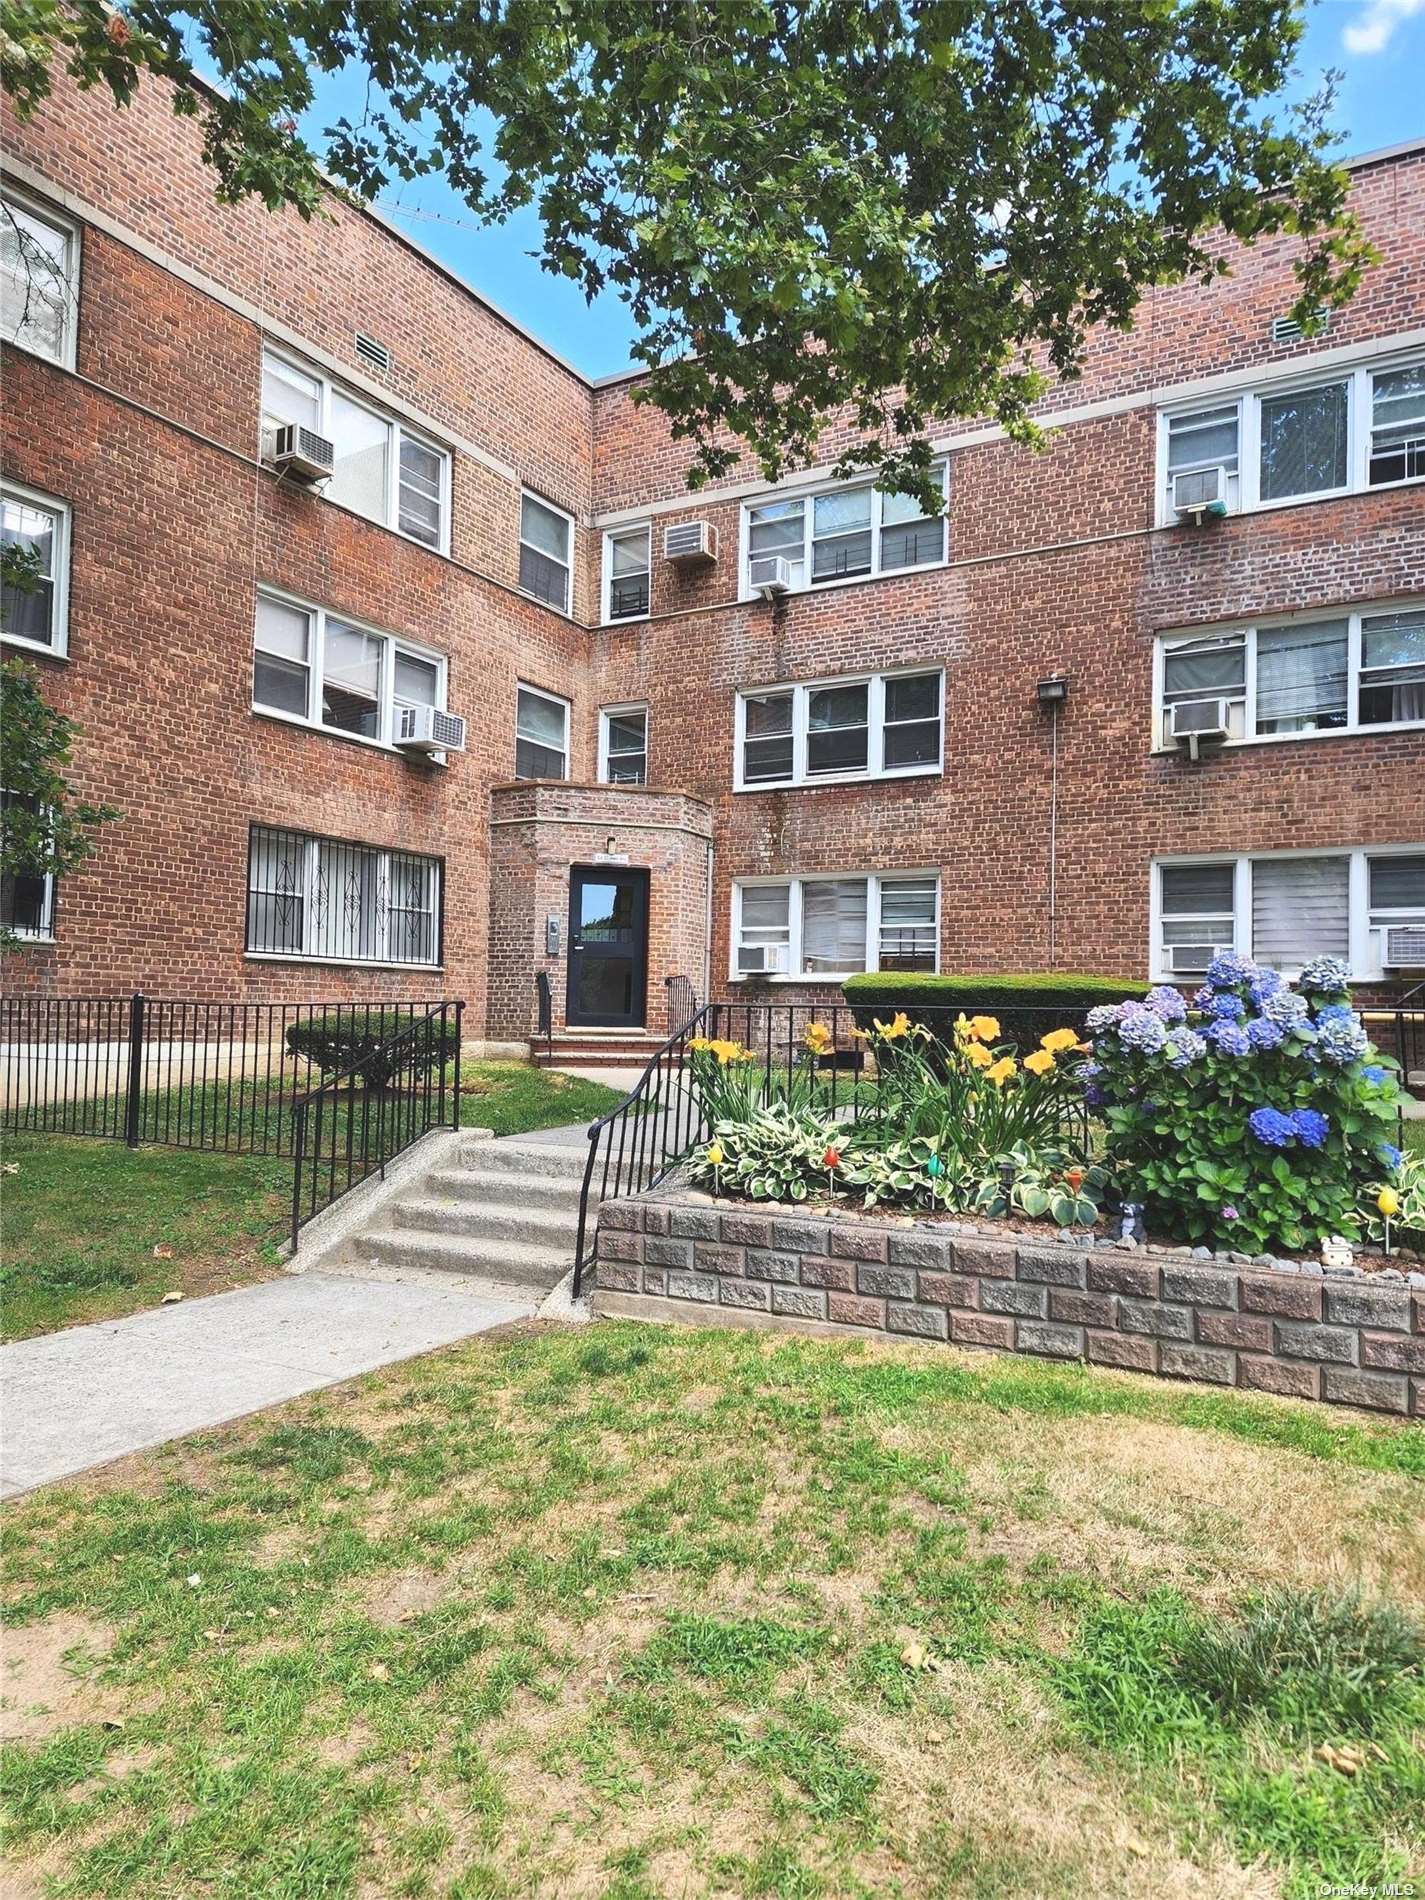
<point x="357" y="1122"/>
<point x="175" y="1073"/>
<point x="544" y="1007"/>
<point x="644" y="1137"/>
<point x="682" y="1002"/>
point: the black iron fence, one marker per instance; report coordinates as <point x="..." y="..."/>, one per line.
<point x="180" y="1074"/>
<point x="398" y="1088"/>
<point x="682" y="1002"/>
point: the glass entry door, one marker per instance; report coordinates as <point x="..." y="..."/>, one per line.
<point x="608" y="948"/>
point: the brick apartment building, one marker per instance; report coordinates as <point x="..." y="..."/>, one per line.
<point x="665" y="772"/>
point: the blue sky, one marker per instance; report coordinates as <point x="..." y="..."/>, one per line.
<point x="1377" y="45"/>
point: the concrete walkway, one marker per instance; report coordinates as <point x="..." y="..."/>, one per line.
<point x="81" y="1397"/>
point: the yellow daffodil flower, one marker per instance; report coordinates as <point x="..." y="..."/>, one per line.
<point x="1059" y="1039"/>
<point x="724" y="1050"/>
<point x="1388" y="1201"/>
<point x="978" y="1056"/>
<point x="984" y="1028"/>
<point x="714" y="1154"/>
<point x="817" y="1038"/>
<point x="1000" y="1072"/>
<point x="1040" y="1062"/>
<point x="898" y="1026"/>
<point x="699" y="1042"/>
<point x="962" y="1027"/>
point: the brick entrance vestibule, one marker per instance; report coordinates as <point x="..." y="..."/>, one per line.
<point x="582" y="878"/>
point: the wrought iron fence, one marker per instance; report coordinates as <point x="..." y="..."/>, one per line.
<point x="682" y="1001"/>
<point x="356" y="1123"/>
<point x="177" y="1073"/>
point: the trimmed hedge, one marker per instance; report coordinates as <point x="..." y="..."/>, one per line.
<point x="346" y="1039"/>
<point x="1028" y="1005"/>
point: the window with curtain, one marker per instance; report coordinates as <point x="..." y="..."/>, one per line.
<point x="1302" y="677"/>
<point x="907" y="930"/>
<point x="1300" y="909"/>
<point x="1396" y="888"/>
<point x="764" y="930"/>
<point x="821" y="928"/>
<point x="833" y="925"/>
<point x="541" y="735"/>
<point x="361" y="440"/>
<point x="1392" y="683"/>
<point x="1214" y="668"/>
<point x="1304" y="438"/>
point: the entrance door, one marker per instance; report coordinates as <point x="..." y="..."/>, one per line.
<point x="608" y="948"/>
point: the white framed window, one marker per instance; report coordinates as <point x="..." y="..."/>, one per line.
<point x="1316" y="434"/>
<point x="382" y="469"/>
<point x="1284" y="907"/>
<point x="541" y="734"/>
<point x="324" y="900"/>
<point x="628" y="567"/>
<point x="1359" y="669"/>
<point x="623" y="745"/>
<point x="546" y="551"/>
<point x="843" y="533"/>
<point x="323" y="670"/>
<point x="36" y="617"/>
<point x="823" y="928"/>
<point x="26" y="903"/>
<point x="39" y="280"/>
<point x="880" y="725"/>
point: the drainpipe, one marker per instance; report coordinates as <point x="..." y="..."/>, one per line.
<point x="1052" y="694"/>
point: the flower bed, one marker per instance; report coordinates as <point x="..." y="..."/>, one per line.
<point x="1257" y="1121"/>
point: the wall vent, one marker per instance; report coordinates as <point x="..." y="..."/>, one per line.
<point x="370" y="351"/>
<point x="1288" y="329"/>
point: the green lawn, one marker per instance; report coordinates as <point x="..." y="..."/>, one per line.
<point x="639" y="1613"/>
<point x="81" y="1218"/>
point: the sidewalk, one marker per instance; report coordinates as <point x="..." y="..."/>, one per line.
<point x="78" y="1398"/>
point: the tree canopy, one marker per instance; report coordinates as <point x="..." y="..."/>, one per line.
<point x="897" y="207"/>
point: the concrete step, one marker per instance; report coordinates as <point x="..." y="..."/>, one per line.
<point x="513" y="1156"/>
<point x="484" y="1185"/>
<point x="511" y="1262"/>
<point x="492" y="1220"/>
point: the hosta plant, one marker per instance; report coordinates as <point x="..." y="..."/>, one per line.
<point x="1043" y="1185"/>
<point x="774" y="1153"/>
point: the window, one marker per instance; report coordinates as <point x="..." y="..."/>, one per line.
<point x="623" y="745"/>
<point x="844" y="534"/>
<point x="1285" y="907"/>
<point x="380" y="469"/>
<point x="26" y="903"/>
<point x="541" y="735"/>
<point x="39" y="290"/>
<point x="546" y="536"/>
<point x="1362" y="428"/>
<point x="36" y="616"/>
<point x="1354" y="671"/>
<point x="821" y="928"/>
<point x="330" y="902"/>
<point x="316" y="667"/>
<point x="627" y="565"/>
<point x="880" y="727"/>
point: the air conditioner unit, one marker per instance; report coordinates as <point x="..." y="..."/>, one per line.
<point x="770" y="575"/>
<point x="774" y="960"/>
<point x="1192" y="959"/>
<point x="689" y="541"/>
<point x="302" y="453"/>
<point x="1200" y="492"/>
<point x="1404" y="947"/>
<point x="1200" y="719"/>
<point x="426" y="729"/>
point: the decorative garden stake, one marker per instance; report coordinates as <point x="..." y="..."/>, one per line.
<point x="1388" y="1201"/>
<point x="1130" y="1220"/>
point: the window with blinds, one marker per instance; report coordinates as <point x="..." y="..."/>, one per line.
<point x="1300" y="909"/>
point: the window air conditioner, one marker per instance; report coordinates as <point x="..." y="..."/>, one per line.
<point x="426" y="729"/>
<point x="774" y="960"/>
<point x="1192" y="959"/>
<point x="1192" y="721"/>
<point x="1199" y="492"/>
<point x="1404" y="947"/>
<point x="770" y="575"/>
<point x="690" y="541"/>
<point x="302" y="453"/>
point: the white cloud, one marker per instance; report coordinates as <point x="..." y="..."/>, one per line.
<point x="1373" y="30"/>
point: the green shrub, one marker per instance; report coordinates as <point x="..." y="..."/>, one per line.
<point x="1029" y="1004"/>
<point x="347" y="1039"/>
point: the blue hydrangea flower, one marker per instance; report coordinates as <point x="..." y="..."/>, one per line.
<point x="1229" y="1008"/>
<point x="1264" y="984"/>
<point x="1230" y="969"/>
<point x="1342" y="1040"/>
<point x="1335" y="1013"/>
<point x="1166" y="1002"/>
<point x="1140" y="1029"/>
<point x="1311" y="1127"/>
<point x="1088" y="1070"/>
<point x="1272" y="1128"/>
<point x="1102" y="1016"/>
<point x="1373" y="1072"/>
<point x="1285" y="1008"/>
<point x="1263" y="1033"/>
<point x="1185" y="1046"/>
<point x="1325" y="976"/>
<point x="1202" y="999"/>
<point x="1094" y="1096"/>
<point x="1390" y="1155"/>
<point x="1230" y="1039"/>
